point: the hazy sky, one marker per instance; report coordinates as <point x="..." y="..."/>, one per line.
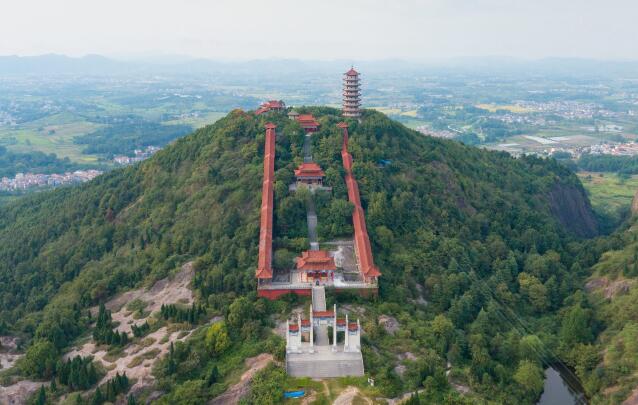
<point x="322" y="29"/>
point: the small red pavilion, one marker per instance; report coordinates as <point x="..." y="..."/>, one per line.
<point x="309" y="174"/>
<point x="315" y="265"/>
<point x="272" y="105"/>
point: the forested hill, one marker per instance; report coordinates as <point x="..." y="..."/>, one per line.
<point x="441" y="215"/>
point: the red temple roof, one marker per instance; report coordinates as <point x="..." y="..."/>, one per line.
<point x="341" y="321"/>
<point x="305" y="322"/>
<point x="309" y="170"/>
<point x="313" y="260"/>
<point x="293" y="327"/>
<point x="307" y="121"/>
<point x="270" y="105"/>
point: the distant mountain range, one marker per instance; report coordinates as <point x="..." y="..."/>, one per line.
<point x="53" y="64"/>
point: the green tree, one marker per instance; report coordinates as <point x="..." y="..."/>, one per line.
<point x="576" y="327"/>
<point x="40" y="359"/>
<point x="217" y="340"/>
<point x="531" y="348"/>
<point x="534" y="291"/>
<point x="530" y="376"/>
<point x="42" y="396"/>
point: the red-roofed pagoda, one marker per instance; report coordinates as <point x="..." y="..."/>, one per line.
<point x="351" y="94"/>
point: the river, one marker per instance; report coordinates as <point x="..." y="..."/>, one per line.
<point x="561" y="388"/>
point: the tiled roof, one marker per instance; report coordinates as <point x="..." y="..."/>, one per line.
<point x="309" y="170"/>
<point x="315" y="260"/>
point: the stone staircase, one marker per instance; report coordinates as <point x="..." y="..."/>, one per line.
<point x="318" y="298"/>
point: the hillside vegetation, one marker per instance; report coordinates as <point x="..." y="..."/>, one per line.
<point x="464" y="238"/>
<point x="609" y="366"/>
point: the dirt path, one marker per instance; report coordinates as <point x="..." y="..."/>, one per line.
<point x="632" y="399"/>
<point x="348" y="395"/>
<point x="239" y="390"/>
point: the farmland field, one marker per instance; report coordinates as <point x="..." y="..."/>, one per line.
<point x="608" y="192"/>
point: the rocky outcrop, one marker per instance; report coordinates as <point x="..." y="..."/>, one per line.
<point x="571" y="207"/>
<point x="634" y="204"/>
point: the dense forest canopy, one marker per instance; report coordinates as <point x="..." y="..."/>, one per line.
<point x="33" y="162"/>
<point x="464" y="238"/>
<point x="127" y="133"/>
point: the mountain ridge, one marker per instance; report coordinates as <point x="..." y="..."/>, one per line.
<point x="439" y="214"/>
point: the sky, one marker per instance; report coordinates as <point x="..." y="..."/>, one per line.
<point x="418" y="30"/>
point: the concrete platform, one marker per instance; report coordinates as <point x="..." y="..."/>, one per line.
<point x="324" y="363"/>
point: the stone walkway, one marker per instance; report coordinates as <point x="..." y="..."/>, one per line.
<point x="307" y="149"/>
<point x="311" y="218"/>
<point x="311" y="211"/>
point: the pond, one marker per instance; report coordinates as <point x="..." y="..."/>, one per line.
<point x="561" y="388"/>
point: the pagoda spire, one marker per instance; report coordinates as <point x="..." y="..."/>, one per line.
<point x="351" y="94"/>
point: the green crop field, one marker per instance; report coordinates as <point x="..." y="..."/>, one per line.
<point x="53" y="134"/>
<point x="607" y="191"/>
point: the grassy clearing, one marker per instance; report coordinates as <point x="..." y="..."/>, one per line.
<point x="326" y="391"/>
<point x="608" y="192"/>
<point x="198" y="122"/>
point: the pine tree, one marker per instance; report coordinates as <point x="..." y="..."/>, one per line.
<point x="42" y="396"/>
<point x="171" y="367"/>
<point x="130" y="400"/>
<point x="98" y="399"/>
<point x="213" y="376"/>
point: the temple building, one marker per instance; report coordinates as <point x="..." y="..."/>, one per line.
<point x="308" y="122"/>
<point x="293" y="115"/>
<point x="309" y="174"/>
<point x="316" y="265"/>
<point x="351" y="94"/>
<point x="272" y="105"/>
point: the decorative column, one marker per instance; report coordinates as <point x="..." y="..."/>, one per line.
<point x="288" y="334"/>
<point x="345" y="346"/>
<point x="312" y="327"/>
<point x="334" y="331"/>
<point x="299" y="323"/>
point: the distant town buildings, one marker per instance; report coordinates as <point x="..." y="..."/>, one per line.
<point x="614" y="149"/>
<point x="351" y="94"/>
<point x="140" y="154"/>
<point x="24" y="181"/>
<point x="425" y="130"/>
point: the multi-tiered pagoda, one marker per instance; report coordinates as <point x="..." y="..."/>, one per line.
<point x="351" y="94"/>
